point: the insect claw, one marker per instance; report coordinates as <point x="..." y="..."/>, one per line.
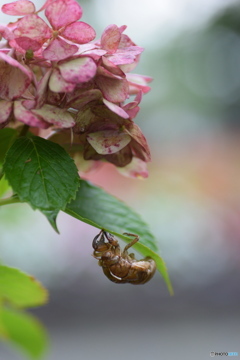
<point x="111" y="239"/>
<point x="129" y="234"/>
<point x="98" y="240"/>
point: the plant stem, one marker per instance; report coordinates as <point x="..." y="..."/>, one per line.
<point x="11" y="200"/>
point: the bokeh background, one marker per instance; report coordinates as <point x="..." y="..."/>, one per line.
<point x="191" y="200"/>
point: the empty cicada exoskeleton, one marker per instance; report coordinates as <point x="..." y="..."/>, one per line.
<point x="119" y="266"/>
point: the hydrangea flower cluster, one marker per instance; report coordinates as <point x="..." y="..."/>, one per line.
<point x="56" y="76"/>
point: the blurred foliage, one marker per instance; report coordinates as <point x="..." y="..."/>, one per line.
<point x="196" y="86"/>
<point x="229" y="19"/>
<point x="17" y="291"/>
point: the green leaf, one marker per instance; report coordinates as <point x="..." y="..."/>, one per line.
<point x="21" y="289"/>
<point x="96" y="207"/>
<point x="7" y="137"/>
<point x="52" y="218"/>
<point x="24" y="331"/>
<point x="41" y="173"/>
<point x="100" y="209"/>
<point x="4" y="186"/>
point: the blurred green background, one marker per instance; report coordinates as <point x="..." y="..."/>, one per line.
<point x="191" y="200"/>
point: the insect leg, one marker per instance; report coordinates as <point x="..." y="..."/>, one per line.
<point x="136" y="238"/>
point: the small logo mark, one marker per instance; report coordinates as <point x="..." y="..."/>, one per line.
<point x="214" y="353"/>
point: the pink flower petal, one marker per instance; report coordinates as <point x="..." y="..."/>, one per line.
<point x="14" y="78"/>
<point x="132" y="108"/>
<point x="138" y="83"/>
<point x="19" y="8"/>
<point x="98" y="118"/>
<point x="5" y="110"/>
<point x="63" y="12"/>
<point x="139" y="96"/>
<point x="33" y="27"/>
<point x="110" y="66"/>
<point x="113" y="90"/>
<point x="84" y="119"/>
<point x="132" y="112"/>
<point x="125" y="42"/>
<point x="59" y="50"/>
<point x="135" y="88"/>
<point x="42" y="89"/>
<point x="29" y="104"/>
<point x="136" y="169"/>
<point x="79" y="32"/>
<point x="58" y="84"/>
<point x="15" y="63"/>
<point x="122" y="28"/>
<point x="101" y="71"/>
<point x="79" y="70"/>
<point x="55" y="115"/>
<point x="4" y="51"/>
<point x="28" y="44"/>
<point x="116" y="109"/>
<point x="133" y="104"/>
<point x="90" y="154"/>
<point x="122" y="58"/>
<point x="89" y="47"/>
<point x="111" y="38"/>
<point x="6" y="33"/>
<point x="126" y="68"/>
<point x="94" y="53"/>
<point x="84" y="98"/>
<point x="135" y="132"/>
<point x="27" y="117"/>
<point x="126" y="56"/>
<point x="29" y="93"/>
<point x="121" y="158"/>
<point x="54" y="98"/>
<point x="108" y="141"/>
<point x="139" y="79"/>
<point x="133" y="50"/>
<point x="85" y="166"/>
<point x="13" y="44"/>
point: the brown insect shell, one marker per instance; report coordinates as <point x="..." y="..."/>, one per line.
<point x="121" y="267"/>
<point x="117" y="264"/>
<point x="140" y="271"/>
